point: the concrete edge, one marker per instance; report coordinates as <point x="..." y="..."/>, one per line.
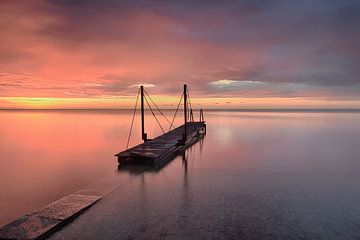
<point x="47" y="220"/>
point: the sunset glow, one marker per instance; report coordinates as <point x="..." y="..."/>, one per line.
<point x="89" y="54"/>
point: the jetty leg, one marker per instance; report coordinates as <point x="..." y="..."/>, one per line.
<point x="185" y="115"/>
<point x="143" y="134"/>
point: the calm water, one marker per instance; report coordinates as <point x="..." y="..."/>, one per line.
<point x="45" y="155"/>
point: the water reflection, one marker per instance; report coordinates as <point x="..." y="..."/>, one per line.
<point x="48" y="154"/>
<point x="140" y="169"/>
<point x="184" y="161"/>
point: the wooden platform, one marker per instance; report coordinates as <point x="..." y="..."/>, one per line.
<point x="163" y="148"/>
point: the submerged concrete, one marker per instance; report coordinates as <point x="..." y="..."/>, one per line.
<point x="29" y="227"/>
<point x="67" y="207"/>
<point x="46" y="220"/>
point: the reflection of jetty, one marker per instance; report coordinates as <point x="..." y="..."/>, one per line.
<point x="167" y="146"/>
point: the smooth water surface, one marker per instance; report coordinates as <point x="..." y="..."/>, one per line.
<point x="45" y="155"/>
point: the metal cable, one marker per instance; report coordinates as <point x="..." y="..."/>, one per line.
<point x="190" y="108"/>
<point x="177" y="109"/>
<point x="132" y="121"/>
<point x="154" y="114"/>
<point x="157" y="107"/>
<point x="189" y="98"/>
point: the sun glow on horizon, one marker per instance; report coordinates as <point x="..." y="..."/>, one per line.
<point x="171" y="102"/>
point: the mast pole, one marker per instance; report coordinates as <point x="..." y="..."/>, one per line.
<point x="185" y="114"/>
<point x="143" y="134"/>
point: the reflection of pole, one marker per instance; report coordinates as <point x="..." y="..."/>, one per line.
<point x="185" y="194"/>
<point x="143" y="134"/>
<point x="184" y="160"/>
<point x="185" y="114"/>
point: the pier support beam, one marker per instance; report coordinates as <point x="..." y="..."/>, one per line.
<point x="143" y="134"/>
<point x="184" y="138"/>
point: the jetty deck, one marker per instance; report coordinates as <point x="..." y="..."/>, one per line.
<point x="163" y="148"/>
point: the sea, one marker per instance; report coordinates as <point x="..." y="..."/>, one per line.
<point x="303" y="158"/>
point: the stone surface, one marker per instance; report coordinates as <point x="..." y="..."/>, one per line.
<point x="45" y="220"/>
<point x="28" y="227"/>
<point x="67" y="207"/>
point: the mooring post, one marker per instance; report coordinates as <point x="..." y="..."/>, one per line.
<point x="201" y="115"/>
<point x="185" y="114"/>
<point x="143" y="134"/>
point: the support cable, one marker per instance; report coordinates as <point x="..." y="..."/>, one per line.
<point x="188" y="111"/>
<point x="157" y="107"/>
<point x="132" y="121"/>
<point x="177" y="109"/>
<point x="190" y="108"/>
<point x="189" y="99"/>
<point x="191" y="116"/>
<point x="154" y="114"/>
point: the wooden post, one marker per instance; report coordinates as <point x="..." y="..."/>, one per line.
<point x="185" y="114"/>
<point x="202" y="119"/>
<point x="191" y="116"/>
<point x="143" y="134"/>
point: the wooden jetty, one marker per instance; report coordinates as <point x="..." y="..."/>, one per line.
<point x="164" y="148"/>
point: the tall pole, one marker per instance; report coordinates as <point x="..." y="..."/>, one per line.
<point x="185" y="113"/>
<point x="143" y="134"/>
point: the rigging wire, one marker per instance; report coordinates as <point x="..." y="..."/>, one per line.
<point x="190" y="107"/>
<point x="132" y="121"/>
<point x="188" y="111"/>
<point x="154" y="114"/>
<point x="157" y="107"/>
<point x="177" y="109"/>
<point x="189" y="98"/>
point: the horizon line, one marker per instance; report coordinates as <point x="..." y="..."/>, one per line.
<point x="211" y="109"/>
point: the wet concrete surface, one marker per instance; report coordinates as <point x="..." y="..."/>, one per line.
<point x="29" y="227"/>
<point x="46" y="220"/>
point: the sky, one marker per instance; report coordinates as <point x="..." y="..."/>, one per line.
<point x="232" y="54"/>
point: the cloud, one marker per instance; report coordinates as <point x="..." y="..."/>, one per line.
<point x="248" y="88"/>
<point x="226" y="84"/>
<point x="220" y="48"/>
<point x="145" y="85"/>
<point x="96" y="85"/>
